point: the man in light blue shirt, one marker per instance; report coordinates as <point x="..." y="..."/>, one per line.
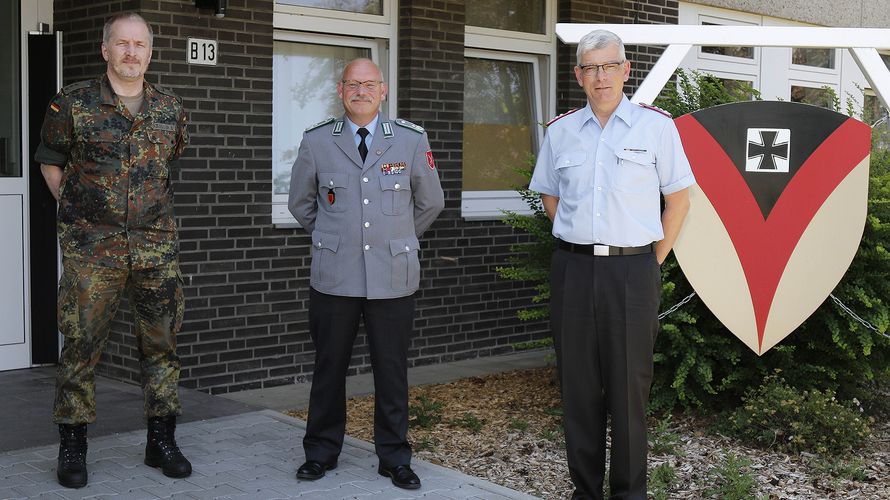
<point x="601" y="172"/>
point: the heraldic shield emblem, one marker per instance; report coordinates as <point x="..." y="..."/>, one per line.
<point x="777" y="215"/>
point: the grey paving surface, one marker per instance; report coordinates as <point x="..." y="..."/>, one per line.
<point x="252" y="456"/>
<point x="237" y="449"/>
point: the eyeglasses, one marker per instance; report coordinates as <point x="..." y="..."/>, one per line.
<point x="608" y="68"/>
<point x="369" y="85"/>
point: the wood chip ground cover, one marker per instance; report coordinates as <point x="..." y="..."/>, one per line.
<point x="506" y="428"/>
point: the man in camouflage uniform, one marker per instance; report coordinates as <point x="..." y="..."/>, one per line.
<point x="106" y="150"/>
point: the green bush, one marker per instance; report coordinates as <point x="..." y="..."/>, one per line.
<point x="779" y="416"/>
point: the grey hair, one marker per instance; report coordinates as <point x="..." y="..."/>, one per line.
<point x="106" y="30"/>
<point x="599" y="39"/>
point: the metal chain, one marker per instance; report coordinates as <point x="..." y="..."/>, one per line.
<point x="676" y="306"/>
<point x="856" y="316"/>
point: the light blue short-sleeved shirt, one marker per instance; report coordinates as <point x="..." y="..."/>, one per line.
<point x="609" y="180"/>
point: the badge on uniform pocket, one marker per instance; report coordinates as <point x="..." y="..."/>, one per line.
<point x="331" y="197"/>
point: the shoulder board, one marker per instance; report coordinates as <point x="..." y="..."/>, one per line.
<point x="405" y="123"/>
<point x="76" y="86"/>
<point x="165" y="90"/>
<point x="567" y="113"/>
<point x="656" y="109"/>
<point x="319" y="124"/>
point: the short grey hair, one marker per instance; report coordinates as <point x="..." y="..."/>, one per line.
<point x="599" y="39"/>
<point x="106" y="30"/>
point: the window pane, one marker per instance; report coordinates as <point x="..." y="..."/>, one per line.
<point x="822" y="97"/>
<point x="304" y="92"/>
<point x="360" y="6"/>
<point x="498" y="123"/>
<point x="513" y="15"/>
<point x="743" y="52"/>
<point x="10" y="93"/>
<point x="886" y="58"/>
<point x="819" y="58"/>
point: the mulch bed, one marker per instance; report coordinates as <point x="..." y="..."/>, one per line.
<point x="506" y="428"/>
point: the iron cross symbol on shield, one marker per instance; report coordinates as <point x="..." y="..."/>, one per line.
<point x="768" y="150"/>
<point x="763" y="251"/>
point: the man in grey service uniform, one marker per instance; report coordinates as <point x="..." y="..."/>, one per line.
<point x="365" y="188"/>
<point x="600" y="172"/>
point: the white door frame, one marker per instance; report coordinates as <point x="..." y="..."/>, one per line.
<point x="863" y="44"/>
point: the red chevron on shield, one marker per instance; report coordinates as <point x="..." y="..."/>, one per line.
<point x="777" y="214"/>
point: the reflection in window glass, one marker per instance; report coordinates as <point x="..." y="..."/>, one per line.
<point x="498" y="123"/>
<point x="513" y="15"/>
<point x="743" y="52"/>
<point x="304" y="92"/>
<point x="818" y="58"/>
<point x="739" y="88"/>
<point x="886" y="59"/>
<point x="822" y="97"/>
<point x="872" y="111"/>
<point x="360" y="6"/>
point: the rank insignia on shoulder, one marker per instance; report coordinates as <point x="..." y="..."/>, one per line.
<point x="405" y="123"/>
<point x="338" y="128"/>
<point x="387" y="129"/>
<point x="567" y="113"/>
<point x="76" y="86"/>
<point x="656" y="109"/>
<point x="319" y="124"/>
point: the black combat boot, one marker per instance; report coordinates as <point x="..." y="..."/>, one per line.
<point x="72" y="470"/>
<point x="161" y="449"/>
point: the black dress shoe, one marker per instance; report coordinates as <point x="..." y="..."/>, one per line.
<point x="401" y="475"/>
<point x="312" y="470"/>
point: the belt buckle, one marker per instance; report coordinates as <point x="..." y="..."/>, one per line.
<point x="601" y="250"/>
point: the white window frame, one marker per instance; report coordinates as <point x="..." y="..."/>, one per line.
<point x="728" y="21"/>
<point x="504" y="45"/>
<point x="339" y="28"/>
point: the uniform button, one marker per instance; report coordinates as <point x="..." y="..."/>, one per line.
<point x="367" y="247"/>
<point x="599" y="188"/>
<point x="367" y="224"/>
<point x="598" y="240"/>
<point x="331" y="183"/>
<point x="599" y="163"/>
<point x="602" y="139"/>
<point x="318" y="244"/>
<point x="397" y="186"/>
<point x="364" y="179"/>
<point x="407" y="248"/>
<point x="365" y="201"/>
<point x="597" y="214"/>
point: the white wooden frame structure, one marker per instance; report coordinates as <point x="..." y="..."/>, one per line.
<point x="863" y="44"/>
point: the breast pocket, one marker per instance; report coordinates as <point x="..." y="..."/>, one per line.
<point x="396" y="194"/>
<point x="163" y="143"/>
<point x="332" y="191"/>
<point x="102" y="151"/>
<point x="636" y="171"/>
<point x="573" y="180"/>
<point x="405" y="263"/>
<point x="324" y="251"/>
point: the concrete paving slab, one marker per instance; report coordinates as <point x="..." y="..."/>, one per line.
<point x="256" y="472"/>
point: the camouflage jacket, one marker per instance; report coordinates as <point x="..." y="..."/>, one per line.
<point x="115" y="197"/>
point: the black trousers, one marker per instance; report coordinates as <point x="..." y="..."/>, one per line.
<point x="333" y="324"/>
<point x="604" y="319"/>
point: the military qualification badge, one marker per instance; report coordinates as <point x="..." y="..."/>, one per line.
<point x="331" y="197"/>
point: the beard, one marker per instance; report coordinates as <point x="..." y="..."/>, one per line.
<point x="129" y="70"/>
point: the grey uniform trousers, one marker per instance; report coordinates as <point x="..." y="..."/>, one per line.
<point x="604" y="319"/>
<point x="333" y="324"/>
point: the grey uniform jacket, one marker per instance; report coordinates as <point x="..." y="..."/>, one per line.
<point x="365" y="218"/>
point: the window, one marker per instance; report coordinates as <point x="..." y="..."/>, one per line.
<point x="511" y="15"/>
<point x="308" y="75"/>
<point x="509" y="76"/>
<point x="500" y="110"/>
<point x="309" y="52"/>
<point x="358" y="6"/>
<point x="740" y="52"/>
<point x="817" y="58"/>
<point x="822" y="97"/>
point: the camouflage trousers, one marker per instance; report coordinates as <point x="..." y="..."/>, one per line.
<point x="88" y="301"/>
